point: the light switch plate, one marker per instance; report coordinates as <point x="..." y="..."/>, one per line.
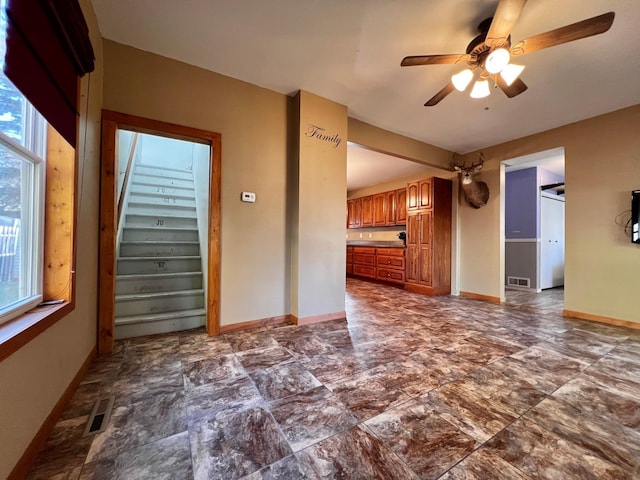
<point x="248" y="197"/>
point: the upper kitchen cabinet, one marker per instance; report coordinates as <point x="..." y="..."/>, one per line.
<point x="380" y="207"/>
<point x="354" y="213"/>
<point x="367" y="211"/>
<point x="401" y="206"/>
<point x="419" y="194"/>
<point x="379" y="210"/>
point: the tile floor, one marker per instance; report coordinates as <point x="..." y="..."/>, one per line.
<point x="411" y="387"/>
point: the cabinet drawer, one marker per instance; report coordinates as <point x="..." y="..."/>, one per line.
<point x="395" y="263"/>
<point x="364" y="259"/>
<point x="364" y="271"/>
<point x="390" y="275"/>
<point x="392" y="252"/>
<point x="368" y="250"/>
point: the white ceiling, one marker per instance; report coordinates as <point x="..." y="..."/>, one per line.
<point x="350" y="52"/>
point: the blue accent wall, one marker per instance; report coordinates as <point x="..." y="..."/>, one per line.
<point x="521" y="204"/>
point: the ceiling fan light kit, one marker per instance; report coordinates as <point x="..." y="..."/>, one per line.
<point x="480" y="89"/>
<point x="490" y="52"/>
<point x="497" y="60"/>
<point x="461" y="80"/>
<point x="511" y="72"/>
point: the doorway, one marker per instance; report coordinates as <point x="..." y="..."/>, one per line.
<point x="533" y="219"/>
<point x="149" y="202"/>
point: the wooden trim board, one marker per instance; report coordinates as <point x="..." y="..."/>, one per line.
<point x="252" y="324"/>
<point x="600" y="319"/>
<point x="25" y="463"/>
<point x="326" y="317"/>
<point x="427" y="290"/>
<point x="478" y="296"/>
<point x="111" y="122"/>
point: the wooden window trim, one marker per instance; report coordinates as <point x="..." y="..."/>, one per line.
<point x="59" y="249"/>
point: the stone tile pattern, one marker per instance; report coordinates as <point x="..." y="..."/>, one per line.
<point x="409" y="387"/>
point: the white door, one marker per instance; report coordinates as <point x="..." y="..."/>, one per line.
<point x="552" y="238"/>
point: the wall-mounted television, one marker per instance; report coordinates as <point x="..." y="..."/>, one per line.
<point x="635" y="216"/>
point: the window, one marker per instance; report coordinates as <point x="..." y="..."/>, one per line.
<point x="22" y="179"/>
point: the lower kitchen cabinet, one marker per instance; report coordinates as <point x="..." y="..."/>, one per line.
<point x="386" y="264"/>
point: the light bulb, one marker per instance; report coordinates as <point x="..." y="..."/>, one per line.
<point x="511" y="72"/>
<point x="461" y="80"/>
<point x="480" y="89"/>
<point x="497" y="60"/>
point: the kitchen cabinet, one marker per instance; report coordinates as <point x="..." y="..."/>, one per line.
<point x="390" y="264"/>
<point x="386" y="264"/>
<point x="364" y="262"/>
<point x="349" y="260"/>
<point x="428" y="256"/>
<point x="367" y="211"/>
<point x="354" y="213"/>
<point x="381" y="209"/>
<point x="419" y="194"/>
<point x="401" y="206"/>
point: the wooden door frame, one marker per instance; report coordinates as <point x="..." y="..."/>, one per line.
<point x="111" y="123"/>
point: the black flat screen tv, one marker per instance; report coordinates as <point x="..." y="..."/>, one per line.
<point x="635" y="216"/>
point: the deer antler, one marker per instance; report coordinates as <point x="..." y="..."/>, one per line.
<point x="456" y="163"/>
<point x="477" y="166"/>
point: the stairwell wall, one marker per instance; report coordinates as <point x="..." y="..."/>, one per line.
<point x="253" y="123"/>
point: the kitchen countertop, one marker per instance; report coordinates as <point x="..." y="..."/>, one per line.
<point x="376" y="243"/>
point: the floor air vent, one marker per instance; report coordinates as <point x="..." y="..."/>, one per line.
<point x="99" y="416"/>
<point x="518" y="282"/>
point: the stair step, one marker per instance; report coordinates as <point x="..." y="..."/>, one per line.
<point x="160" y="221"/>
<point x="158" y="302"/>
<point x="142" y="265"/>
<point x="150" y="249"/>
<point x="164" y="172"/>
<point x="158" y="205"/>
<point x="154" y="180"/>
<point x="139" y="325"/>
<point x="158" y="282"/>
<point x="138" y="188"/>
<point x="159" y="234"/>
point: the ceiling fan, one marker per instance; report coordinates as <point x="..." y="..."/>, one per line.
<point x="489" y="54"/>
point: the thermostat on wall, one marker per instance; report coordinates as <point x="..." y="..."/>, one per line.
<point x="248" y="197"/>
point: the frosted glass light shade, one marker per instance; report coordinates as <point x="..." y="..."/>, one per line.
<point x="497" y="60"/>
<point x="461" y="80"/>
<point x="511" y="72"/>
<point x="480" y="89"/>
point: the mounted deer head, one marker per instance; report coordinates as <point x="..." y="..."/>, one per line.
<point x="476" y="193"/>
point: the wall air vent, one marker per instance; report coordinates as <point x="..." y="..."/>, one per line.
<point x="518" y="282"/>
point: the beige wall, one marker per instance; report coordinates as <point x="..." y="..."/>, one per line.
<point x="35" y="377"/>
<point x="384" y="141"/>
<point x="319" y="250"/>
<point x="602" y="167"/>
<point x="253" y="124"/>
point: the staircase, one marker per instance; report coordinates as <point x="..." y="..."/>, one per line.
<point x="159" y="281"/>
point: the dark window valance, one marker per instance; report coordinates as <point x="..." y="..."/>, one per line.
<point x="48" y="48"/>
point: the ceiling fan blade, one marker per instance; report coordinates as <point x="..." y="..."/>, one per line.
<point x="440" y="95"/>
<point x="433" y="59"/>
<point x="569" y="33"/>
<point x="516" y="88"/>
<point x="504" y="19"/>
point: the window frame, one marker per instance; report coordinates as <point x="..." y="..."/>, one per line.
<point x="59" y="248"/>
<point x="32" y="235"/>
